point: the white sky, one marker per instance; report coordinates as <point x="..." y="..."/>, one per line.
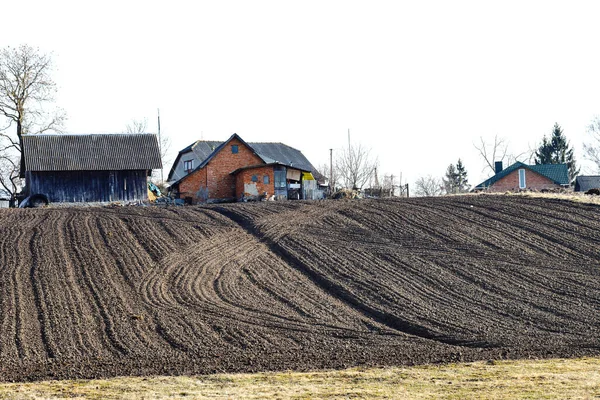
<point x="417" y="81"/>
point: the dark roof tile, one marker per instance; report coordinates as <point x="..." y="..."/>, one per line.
<point x="91" y="152"/>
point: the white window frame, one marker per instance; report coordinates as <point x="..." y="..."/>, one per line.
<point x="191" y="165"/>
<point x="522" y="179"/>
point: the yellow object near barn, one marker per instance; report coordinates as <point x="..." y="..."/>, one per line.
<point x="307" y="176"/>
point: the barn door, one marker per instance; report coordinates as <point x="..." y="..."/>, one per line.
<point x="111" y="186"/>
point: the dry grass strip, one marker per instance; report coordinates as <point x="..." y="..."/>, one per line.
<point x="533" y="379"/>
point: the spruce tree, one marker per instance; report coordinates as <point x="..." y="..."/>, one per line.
<point x="556" y="150"/>
<point x="450" y="180"/>
<point x="455" y="180"/>
<point x="462" y="180"/>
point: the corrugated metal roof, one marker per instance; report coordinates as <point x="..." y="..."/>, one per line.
<point x="281" y="153"/>
<point x="585" y="183"/>
<point x="204" y="148"/>
<point x="558" y="173"/>
<point x="91" y="152"/>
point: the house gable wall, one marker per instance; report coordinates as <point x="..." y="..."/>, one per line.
<point x="194" y="186"/>
<point x="213" y="181"/>
<point x="178" y="169"/>
<point x="533" y="181"/>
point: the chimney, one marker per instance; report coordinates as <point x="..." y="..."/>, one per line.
<point x="498" y="166"/>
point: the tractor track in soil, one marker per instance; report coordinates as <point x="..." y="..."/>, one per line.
<point x="99" y="292"/>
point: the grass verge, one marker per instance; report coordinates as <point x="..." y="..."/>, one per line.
<point x="533" y="379"/>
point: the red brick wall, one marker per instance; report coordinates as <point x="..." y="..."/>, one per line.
<point x="245" y="176"/>
<point x="214" y="180"/>
<point x="191" y="185"/>
<point x="533" y="181"/>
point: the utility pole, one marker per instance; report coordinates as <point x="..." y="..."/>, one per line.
<point x="162" y="178"/>
<point x="348" y="139"/>
<point x="330" y="172"/>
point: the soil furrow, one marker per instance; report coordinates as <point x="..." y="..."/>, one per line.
<point x="381" y="317"/>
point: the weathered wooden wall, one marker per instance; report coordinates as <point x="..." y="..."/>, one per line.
<point x="89" y="186"/>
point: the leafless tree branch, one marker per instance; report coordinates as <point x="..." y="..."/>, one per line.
<point x="137" y="126"/>
<point x="428" y="186"/>
<point x="592" y="149"/>
<point x="498" y="151"/>
<point x="355" y="166"/>
<point x="26" y="89"/>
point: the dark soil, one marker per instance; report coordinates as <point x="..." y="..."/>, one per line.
<point x="99" y="292"/>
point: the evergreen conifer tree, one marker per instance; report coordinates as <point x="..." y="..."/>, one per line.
<point x="455" y="180"/>
<point x="462" y="180"/>
<point x="450" y="180"/>
<point x="556" y="150"/>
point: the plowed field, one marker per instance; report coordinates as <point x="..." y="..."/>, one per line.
<point x="95" y="292"/>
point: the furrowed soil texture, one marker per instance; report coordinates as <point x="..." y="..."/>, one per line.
<point x="99" y="292"/>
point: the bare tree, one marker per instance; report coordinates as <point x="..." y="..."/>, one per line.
<point x="592" y="150"/>
<point x="26" y="92"/>
<point x="355" y="166"/>
<point x="326" y="170"/>
<point x="137" y="126"/>
<point x="141" y="126"/>
<point x="498" y="151"/>
<point x="429" y="186"/>
<point x="9" y="167"/>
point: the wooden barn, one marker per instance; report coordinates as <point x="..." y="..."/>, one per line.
<point x="90" y="168"/>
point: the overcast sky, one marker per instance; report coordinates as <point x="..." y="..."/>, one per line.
<point x="418" y="82"/>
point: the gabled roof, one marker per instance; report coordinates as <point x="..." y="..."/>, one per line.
<point x="268" y="152"/>
<point x="91" y="152"/>
<point x="284" y="154"/>
<point x="585" y="183"/>
<point x="557" y="173"/>
<point x="201" y="148"/>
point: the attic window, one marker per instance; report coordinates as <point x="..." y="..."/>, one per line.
<point x="234" y="149"/>
<point x="522" y="183"/>
<point x="188" y="166"/>
<point x="254" y="178"/>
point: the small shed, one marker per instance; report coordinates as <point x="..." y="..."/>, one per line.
<point x="584" y="183"/>
<point x="90" y="168"/>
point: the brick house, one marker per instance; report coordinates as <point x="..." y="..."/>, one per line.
<point x="235" y="170"/>
<point x="521" y="176"/>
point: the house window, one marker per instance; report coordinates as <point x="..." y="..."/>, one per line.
<point x="188" y="165"/>
<point x="266" y="179"/>
<point x="234" y="149"/>
<point x="522" y="183"/>
<point x="254" y="178"/>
